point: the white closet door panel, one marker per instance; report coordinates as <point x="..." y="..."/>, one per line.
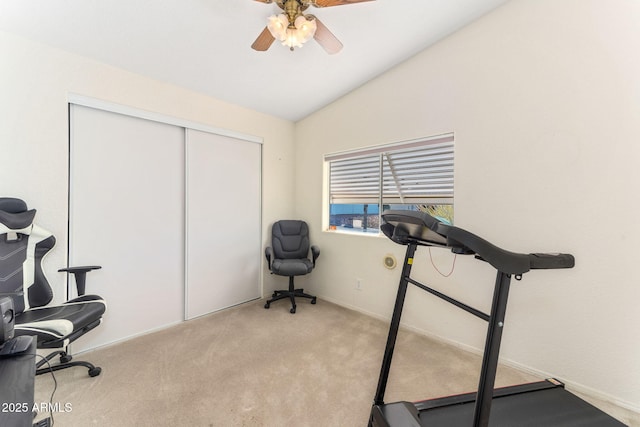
<point x="223" y="222"/>
<point x="127" y="214"/>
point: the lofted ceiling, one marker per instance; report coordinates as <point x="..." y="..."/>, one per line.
<point x="204" y="45"/>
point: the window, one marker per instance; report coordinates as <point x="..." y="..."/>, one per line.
<point x="412" y="175"/>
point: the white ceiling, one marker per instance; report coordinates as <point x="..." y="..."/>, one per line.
<point x="204" y="45"/>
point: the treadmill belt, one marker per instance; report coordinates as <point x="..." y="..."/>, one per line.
<point x="551" y="407"/>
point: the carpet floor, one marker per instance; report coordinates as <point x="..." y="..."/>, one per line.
<point x="247" y="366"/>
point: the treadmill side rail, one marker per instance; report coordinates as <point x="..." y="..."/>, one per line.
<point x="402" y="414"/>
<point x="543" y="403"/>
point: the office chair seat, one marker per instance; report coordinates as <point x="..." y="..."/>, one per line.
<point x="291" y="267"/>
<point x="54" y="326"/>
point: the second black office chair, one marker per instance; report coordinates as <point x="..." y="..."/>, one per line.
<point x="289" y="256"/>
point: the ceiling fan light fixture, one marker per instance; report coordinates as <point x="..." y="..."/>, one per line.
<point x="292" y="36"/>
<point x="277" y="26"/>
<point x="293" y="28"/>
<point x="306" y="28"/>
<point x="291" y="40"/>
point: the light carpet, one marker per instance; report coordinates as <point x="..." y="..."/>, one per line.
<point x="247" y="366"/>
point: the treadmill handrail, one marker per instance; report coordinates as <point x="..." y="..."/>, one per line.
<point x="405" y="227"/>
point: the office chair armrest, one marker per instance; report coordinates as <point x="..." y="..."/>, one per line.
<point x="268" y="252"/>
<point x="315" y="252"/>
<point x="80" y="274"/>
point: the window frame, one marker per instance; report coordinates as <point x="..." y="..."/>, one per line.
<point x="440" y="194"/>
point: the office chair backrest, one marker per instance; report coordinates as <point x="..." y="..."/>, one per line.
<point x="290" y="239"/>
<point x="23" y="245"/>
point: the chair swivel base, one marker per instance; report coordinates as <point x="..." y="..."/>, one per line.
<point x="65" y="362"/>
<point x="290" y="293"/>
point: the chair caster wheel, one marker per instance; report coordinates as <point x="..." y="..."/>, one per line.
<point x="313" y="300"/>
<point x="94" y="372"/>
<point x="66" y="358"/>
<point x="267" y="305"/>
<point x="293" y="310"/>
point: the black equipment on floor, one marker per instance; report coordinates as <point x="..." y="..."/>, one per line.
<point x="288" y="255"/>
<point x="543" y="403"/>
<point x="17" y="383"/>
<point x="8" y="316"/>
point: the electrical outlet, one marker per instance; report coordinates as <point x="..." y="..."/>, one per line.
<point x="359" y="284"/>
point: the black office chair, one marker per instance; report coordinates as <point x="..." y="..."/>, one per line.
<point x="289" y="256"/>
<point x="23" y="245"/>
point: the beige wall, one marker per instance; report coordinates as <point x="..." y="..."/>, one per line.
<point x="544" y="99"/>
<point x="35" y="82"/>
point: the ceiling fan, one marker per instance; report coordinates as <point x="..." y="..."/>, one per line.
<point x="293" y="28"/>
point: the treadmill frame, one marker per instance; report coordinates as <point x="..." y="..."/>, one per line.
<point x="407" y="414"/>
<point x="482" y="410"/>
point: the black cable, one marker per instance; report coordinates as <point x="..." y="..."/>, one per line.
<point x="55" y="387"/>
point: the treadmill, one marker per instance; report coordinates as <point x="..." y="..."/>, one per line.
<point x="543" y="403"/>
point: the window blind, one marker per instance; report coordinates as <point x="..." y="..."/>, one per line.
<point x="419" y="171"/>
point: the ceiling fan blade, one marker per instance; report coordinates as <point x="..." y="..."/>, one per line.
<point x="328" y="3"/>
<point x="264" y="40"/>
<point x="326" y="39"/>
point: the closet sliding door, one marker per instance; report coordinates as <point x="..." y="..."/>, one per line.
<point x="172" y="214"/>
<point x="127" y="214"/>
<point x="223" y="222"/>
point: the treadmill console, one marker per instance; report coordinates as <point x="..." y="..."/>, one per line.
<point x="420" y="228"/>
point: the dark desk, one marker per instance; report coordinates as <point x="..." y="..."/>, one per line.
<point x="17" y="382"/>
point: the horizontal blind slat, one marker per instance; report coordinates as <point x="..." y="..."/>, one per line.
<point x="415" y="172"/>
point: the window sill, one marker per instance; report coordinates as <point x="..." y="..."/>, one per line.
<point x="357" y="232"/>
